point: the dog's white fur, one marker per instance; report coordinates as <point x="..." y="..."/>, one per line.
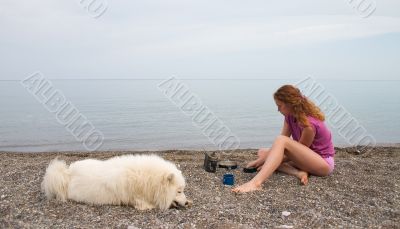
<point x="142" y="181"/>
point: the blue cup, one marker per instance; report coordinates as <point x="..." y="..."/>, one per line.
<point x="228" y="179"/>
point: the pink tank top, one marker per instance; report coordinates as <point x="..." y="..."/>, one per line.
<point x="322" y="143"/>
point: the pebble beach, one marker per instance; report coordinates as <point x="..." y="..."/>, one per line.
<point x="363" y="192"/>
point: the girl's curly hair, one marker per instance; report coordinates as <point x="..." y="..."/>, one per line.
<point x="301" y="106"/>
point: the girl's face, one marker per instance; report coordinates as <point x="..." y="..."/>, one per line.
<point x="282" y="107"/>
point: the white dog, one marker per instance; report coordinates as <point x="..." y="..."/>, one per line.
<point x="142" y="181"/>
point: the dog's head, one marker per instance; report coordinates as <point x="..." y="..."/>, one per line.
<point x="180" y="200"/>
<point x="177" y="185"/>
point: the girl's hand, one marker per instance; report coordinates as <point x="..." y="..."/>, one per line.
<point x="254" y="164"/>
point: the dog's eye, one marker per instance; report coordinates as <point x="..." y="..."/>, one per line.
<point x="179" y="192"/>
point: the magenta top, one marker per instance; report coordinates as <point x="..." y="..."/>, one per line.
<point x="322" y="143"/>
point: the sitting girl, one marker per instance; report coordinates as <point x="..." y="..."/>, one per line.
<point x="310" y="151"/>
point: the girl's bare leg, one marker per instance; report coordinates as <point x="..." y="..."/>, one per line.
<point x="288" y="168"/>
<point x="262" y="156"/>
<point x="303" y="157"/>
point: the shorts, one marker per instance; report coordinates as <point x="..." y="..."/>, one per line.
<point x="331" y="163"/>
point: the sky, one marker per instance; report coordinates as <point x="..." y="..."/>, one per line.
<point x="155" y="39"/>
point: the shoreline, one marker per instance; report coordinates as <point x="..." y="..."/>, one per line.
<point x="337" y="147"/>
<point x="363" y="191"/>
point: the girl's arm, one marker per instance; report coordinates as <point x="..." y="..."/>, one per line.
<point x="307" y="136"/>
<point x="286" y="130"/>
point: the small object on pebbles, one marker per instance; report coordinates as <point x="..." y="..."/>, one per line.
<point x="250" y="170"/>
<point x="228" y="164"/>
<point x="132" y="227"/>
<point x="284" y="226"/>
<point x="285" y="213"/>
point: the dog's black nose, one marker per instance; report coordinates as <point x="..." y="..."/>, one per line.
<point x="188" y="203"/>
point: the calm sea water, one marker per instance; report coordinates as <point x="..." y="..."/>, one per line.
<point x="136" y="115"/>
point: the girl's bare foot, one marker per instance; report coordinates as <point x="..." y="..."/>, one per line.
<point x="303" y="177"/>
<point x="247" y="187"/>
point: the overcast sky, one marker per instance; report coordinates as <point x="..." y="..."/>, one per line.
<point x="200" y="39"/>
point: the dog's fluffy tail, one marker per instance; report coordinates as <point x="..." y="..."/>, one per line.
<point x="56" y="179"/>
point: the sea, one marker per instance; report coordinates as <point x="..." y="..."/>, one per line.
<point x="145" y="114"/>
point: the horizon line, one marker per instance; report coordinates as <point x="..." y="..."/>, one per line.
<point x="149" y="79"/>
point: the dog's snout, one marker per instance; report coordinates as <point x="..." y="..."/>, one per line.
<point x="188" y="203"/>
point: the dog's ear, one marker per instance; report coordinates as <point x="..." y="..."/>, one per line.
<point x="169" y="178"/>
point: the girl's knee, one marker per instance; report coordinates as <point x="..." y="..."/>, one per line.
<point x="282" y="138"/>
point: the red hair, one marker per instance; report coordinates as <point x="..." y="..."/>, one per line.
<point x="300" y="105"/>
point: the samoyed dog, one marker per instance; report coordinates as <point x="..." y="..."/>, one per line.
<point x="142" y="181"/>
